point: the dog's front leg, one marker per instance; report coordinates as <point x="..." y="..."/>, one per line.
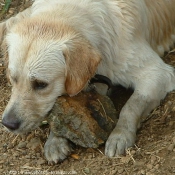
<point x="56" y="149"/>
<point x="124" y="134"/>
<point x="159" y="79"/>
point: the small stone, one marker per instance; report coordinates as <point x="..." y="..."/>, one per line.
<point x="24" y="152"/>
<point x="34" y="143"/>
<point x="66" y="162"/>
<point x="149" y="173"/>
<point x="21" y="145"/>
<point x="15" y="154"/>
<point x="41" y="162"/>
<point x="157" y="151"/>
<point x="170" y="147"/>
<point x="149" y="166"/>
<point x="44" y="122"/>
<point x="139" y="164"/>
<point x="120" y="170"/>
<point x="27" y="156"/>
<point x="23" y="137"/>
<point x="26" y="165"/>
<point x="171" y="123"/>
<point x="173" y="140"/>
<point x="38" y="155"/>
<point x="153" y="159"/>
<point x="93" y="155"/>
<point x="152" y="170"/>
<point x="89" y="157"/>
<point x="86" y="170"/>
<point x="10" y="145"/>
<point x="133" y="152"/>
<point x="157" y="166"/>
<point x="11" y="11"/>
<point x="169" y="102"/>
<point x="114" y="171"/>
<point x="142" y="172"/>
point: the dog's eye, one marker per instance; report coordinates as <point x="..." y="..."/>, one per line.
<point x="38" y="85"/>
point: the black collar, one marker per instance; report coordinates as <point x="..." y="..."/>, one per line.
<point x="101" y="79"/>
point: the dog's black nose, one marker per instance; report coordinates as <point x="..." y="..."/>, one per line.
<point x="10" y="122"/>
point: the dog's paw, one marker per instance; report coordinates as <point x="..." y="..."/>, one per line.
<point x="56" y="149"/>
<point x="118" y="141"/>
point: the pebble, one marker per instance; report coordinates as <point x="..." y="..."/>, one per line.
<point x="11" y="145"/>
<point x="133" y="152"/>
<point x="149" y="166"/>
<point x="26" y="165"/>
<point x="23" y="137"/>
<point x="171" y="123"/>
<point x="86" y="170"/>
<point x="152" y="170"/>
<point x="120" y="170"/>
<point x="142" y="172"/>
<point x="15" y="154"/>
<point x="149" y="173"/>
<point x="153" y="159"/>
<point x="157" y="151"/>
<point x="157" y="166"/>
<point x="114" y="172"/>
<point x="24" y="152"/>
<point x="27" y="156"/>
<point x="173" y="140"/>
<point x="34" y="143"/>
<point x="11" y="11"/>
<point x="41" y="162"/>
<point x="139" y="163"/>
<point x="89" y="156"/>
<point x="38" y="155"/>
<point x="21" y="145"/>
<point x="170" y="147"/>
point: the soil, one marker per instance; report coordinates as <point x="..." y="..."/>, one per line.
<point x="153" y="153"/>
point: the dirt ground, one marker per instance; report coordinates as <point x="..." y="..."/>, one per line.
<point x="153" y="153"/>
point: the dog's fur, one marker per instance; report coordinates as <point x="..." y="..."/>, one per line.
<point x="65" y="42"/>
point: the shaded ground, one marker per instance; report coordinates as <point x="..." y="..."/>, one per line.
<point x="153" y="154"/>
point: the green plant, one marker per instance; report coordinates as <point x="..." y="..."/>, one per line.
<point x="6" y="7"/>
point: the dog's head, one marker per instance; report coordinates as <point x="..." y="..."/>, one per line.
<point x="46" y="60"/>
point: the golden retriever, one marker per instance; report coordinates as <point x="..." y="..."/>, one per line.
<point x="56" y="46"/>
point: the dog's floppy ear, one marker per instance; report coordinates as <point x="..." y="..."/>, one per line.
<point x="81" y="63"/>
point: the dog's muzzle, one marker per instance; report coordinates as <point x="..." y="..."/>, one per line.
<point x="10" y="121"/>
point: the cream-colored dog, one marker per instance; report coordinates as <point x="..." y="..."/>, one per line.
<point x="56" y="46"/>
